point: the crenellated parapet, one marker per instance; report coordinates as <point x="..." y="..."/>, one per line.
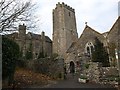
<point x="65" y="6"/>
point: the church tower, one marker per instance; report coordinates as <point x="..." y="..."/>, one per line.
<point x="64" y="28"/>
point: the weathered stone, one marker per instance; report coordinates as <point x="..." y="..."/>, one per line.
<point x="81" y="80"/>
<point x="109" y="71"/>
<point x="40" y="43"/>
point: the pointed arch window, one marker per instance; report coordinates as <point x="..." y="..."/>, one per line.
<point x="89" y="47"/>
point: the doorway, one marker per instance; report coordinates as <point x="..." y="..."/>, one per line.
<point x="72" y="67"/>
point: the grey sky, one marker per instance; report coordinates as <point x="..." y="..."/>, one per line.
<point x="100" y="14"/>
<point x="119" y="8"/>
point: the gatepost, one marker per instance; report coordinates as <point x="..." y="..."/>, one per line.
<point x="119" y="37"/>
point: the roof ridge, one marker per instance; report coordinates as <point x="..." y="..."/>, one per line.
<point x="93" y="30"/>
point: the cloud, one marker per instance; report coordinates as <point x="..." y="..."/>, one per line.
<point x="100" y="14"/>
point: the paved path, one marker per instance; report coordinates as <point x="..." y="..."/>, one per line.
<point x="73" y="83"/>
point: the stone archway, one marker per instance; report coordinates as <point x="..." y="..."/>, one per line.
<point x="72" y="67"/>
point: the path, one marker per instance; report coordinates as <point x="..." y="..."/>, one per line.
<point x="73" y="83"/>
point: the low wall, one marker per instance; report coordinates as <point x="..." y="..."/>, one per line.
<point x="109" y="71"/>
<point x="95" y="72"/>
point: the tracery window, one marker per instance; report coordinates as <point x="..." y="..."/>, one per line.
<point x="89" y="47"/>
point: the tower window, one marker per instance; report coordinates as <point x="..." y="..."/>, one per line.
<point x="69" y="13"/>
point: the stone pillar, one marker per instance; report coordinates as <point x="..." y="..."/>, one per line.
<point x="1" y="62"/>
<point x="119" y="37"/>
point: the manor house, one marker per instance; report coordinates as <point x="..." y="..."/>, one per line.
<point x="32" y="42"/>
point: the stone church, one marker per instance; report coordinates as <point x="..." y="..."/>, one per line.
<point x="73" y="49"/>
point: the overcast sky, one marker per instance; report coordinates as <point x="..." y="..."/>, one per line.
<point x="100" y="14"/>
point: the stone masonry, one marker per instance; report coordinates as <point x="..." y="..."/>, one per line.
<point x="64" y="28"/>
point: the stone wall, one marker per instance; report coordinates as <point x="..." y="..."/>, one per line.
<point x="95" y="72"/>
<point x="49" y="66"/>
<point x="92" y="71"/>
<point x="109" y="71"/>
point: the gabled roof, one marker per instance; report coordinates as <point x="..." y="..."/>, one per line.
<point x="117" y="21"/>
<point x="91" y="32"/>
<point x="88" y="33"/>
<point x="90" y="29"/>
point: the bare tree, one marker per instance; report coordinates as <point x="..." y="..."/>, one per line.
<point x="12" y="12"/>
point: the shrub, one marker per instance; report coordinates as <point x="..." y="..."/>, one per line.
<point x="87" y="66"/>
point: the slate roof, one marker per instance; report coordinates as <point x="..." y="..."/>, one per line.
<point x="48" y="39"/>
<point x="29" y="36"/>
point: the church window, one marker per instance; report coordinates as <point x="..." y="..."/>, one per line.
<point x="69" y="13"/>
<point x="88" y="50"/>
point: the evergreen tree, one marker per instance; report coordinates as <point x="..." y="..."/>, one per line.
<point x="10" y="55"/>
<point x="100" y="53"/>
